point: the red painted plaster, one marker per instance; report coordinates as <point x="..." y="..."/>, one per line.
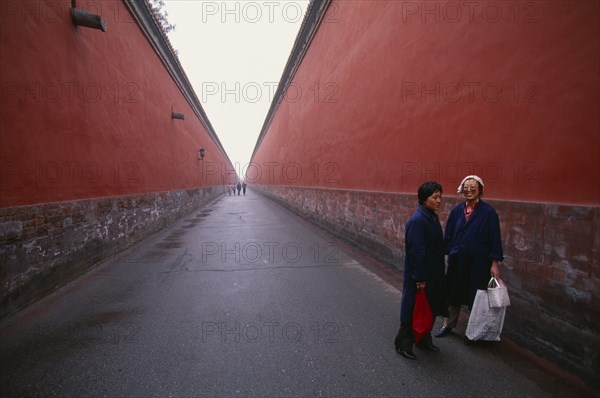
<point x="88" y="114"/>
<point x="391" y="94"/>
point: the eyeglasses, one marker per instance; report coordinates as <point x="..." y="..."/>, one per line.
<point x="470" y="189"/>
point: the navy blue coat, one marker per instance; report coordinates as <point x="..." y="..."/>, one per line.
<point x="423" y="262"/>
<point x="471" y="246"/>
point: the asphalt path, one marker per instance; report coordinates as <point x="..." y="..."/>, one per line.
<point x="243" y="298"/>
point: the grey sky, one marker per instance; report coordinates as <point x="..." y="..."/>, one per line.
<point x="234" y="53"/>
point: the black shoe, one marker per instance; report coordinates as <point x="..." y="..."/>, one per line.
<point x="406" y="354"/>
<point x="444" y="331"/>
<point x="428" y="346"/>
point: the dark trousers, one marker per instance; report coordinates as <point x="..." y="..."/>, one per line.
<point x="404" y="339"/>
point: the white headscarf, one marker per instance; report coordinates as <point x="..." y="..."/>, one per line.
<point x="471" y="177"/>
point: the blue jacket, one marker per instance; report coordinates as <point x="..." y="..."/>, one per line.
<point x="423" y="262"/>
<point x="471" y="246"/>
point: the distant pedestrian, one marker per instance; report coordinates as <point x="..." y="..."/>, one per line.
<point x="244" y="187"/>
<point x="423" y="267"/>
<point x="230" y="189"/>
<point x="474" y="248"/>
<point x="239" y="188"/>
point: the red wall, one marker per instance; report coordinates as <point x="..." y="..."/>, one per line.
<point x="88" y="114"/>
<point x="365" y="113"/>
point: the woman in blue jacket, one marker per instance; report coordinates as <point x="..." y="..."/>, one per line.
<point x="423" y="267"/>
<point x="474" y="248"/>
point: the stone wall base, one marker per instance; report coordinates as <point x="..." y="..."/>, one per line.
<point x="551" y="264"/>
<point x="42" y="247"/>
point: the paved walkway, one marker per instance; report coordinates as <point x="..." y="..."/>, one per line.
<point x="242" y="298"/>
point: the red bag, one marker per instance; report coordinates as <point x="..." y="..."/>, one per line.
<point x="422" y="317"/>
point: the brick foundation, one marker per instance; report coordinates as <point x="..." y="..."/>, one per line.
<point x="551" y="261"/>
<point x="44" y="246"/>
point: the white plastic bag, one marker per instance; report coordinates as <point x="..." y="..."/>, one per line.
<point x="485" y="322"/>
<point x="497" y="293"/>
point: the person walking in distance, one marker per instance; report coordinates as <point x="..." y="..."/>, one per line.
<point x="474" y="248"/>
<point x="423" y="267"/>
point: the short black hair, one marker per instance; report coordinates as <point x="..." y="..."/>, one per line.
<point x="427" y="189"/>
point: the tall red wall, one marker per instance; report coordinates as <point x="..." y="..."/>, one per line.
<point x="393" y="93"/>
<point x="87" y="138"/>
<point x="390" y="94"/>
<point x="87" y="114"/>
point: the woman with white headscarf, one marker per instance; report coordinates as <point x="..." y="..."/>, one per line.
<point x="474" y="248"/>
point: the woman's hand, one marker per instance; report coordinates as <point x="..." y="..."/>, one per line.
<point x="495" y="270"/>
<point x="420" y="285"/>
